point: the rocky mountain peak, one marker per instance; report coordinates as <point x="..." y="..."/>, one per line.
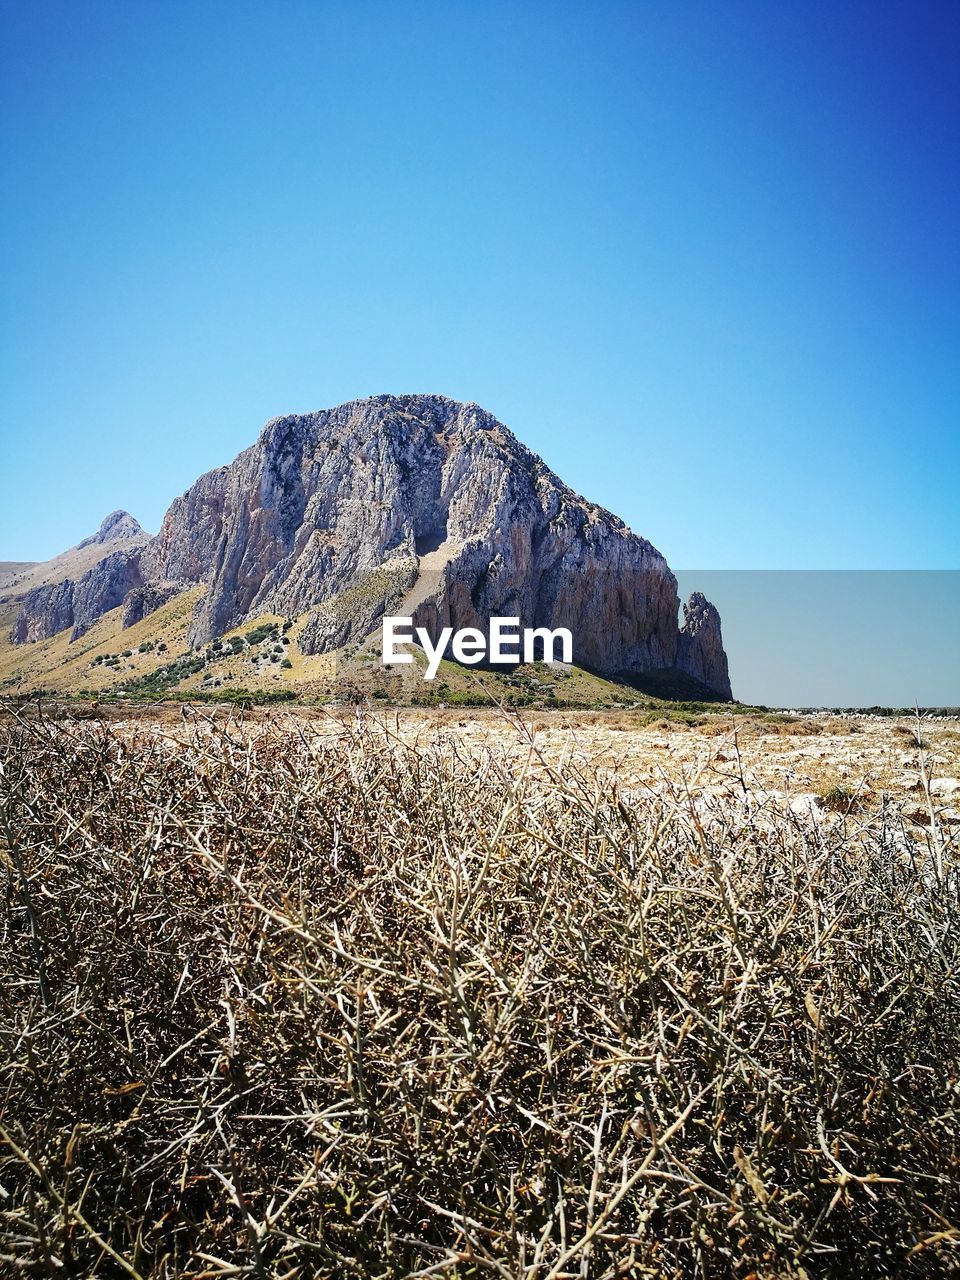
<point x="116" y="527"/>
<point x="413" y="503"/>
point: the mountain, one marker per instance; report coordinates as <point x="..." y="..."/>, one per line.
<point x="78" y="586"/>
<point x="417" y="505"/>
<point x="118" y="526"/>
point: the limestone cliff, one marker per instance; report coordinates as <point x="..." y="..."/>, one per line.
<point x="143" y="600"/>
<point x="44" y="612"/>
<point x="47" y="610"/>
<point x="700" y="652"/>
<point x="415" y="503"/>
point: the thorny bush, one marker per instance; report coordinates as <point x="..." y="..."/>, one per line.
<point x="283" y="1003"/>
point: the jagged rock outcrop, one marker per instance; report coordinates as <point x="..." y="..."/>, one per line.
<point x="116" y="527"/>
<point x="414" y="504"/>
<point x="46" y="611"/>
<point x="103" y="588"/>
<point x="700" y="651"/>
<point x="140" y="602"/>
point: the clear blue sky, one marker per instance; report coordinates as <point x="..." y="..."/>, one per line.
<point x="702" y="257"/>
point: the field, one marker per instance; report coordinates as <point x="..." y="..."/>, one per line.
<point x="466" y="994"/>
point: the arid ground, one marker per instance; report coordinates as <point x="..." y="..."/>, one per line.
<point x="810" y="763"/>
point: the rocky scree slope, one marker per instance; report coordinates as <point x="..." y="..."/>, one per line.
<point x="349" y="513"/>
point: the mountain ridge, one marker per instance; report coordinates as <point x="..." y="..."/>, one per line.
<point x="336" y="516"/>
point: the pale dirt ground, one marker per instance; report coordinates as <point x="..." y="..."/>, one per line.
<point x="792" y="764"/>
<point x="877" y="760"/>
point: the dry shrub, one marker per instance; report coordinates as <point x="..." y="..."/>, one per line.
<point x="837" y="725"/>
<point x="717" y="726"/>
<point x="282" y="1005"/>
<point x="910" y="733"/>
<point x="803" y="727"/>
<point x="839" y="797"/>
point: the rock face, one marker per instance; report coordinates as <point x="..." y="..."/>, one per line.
<point x="323" y="500"/>
<point x="408" y="504"/>
<point x="700" y="652"/>
<point x="104" y="587"/>
<point x="46" y="611"/>
<point x="140" y="602"/>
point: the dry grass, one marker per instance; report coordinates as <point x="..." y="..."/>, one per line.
<point x="284" y="1003"/>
